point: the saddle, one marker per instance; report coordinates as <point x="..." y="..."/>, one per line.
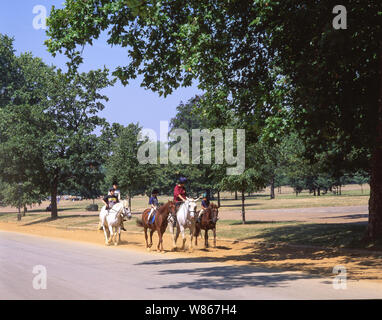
<point x="153" y="217"/>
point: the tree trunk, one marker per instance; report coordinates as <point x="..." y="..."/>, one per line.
<point x="235" y="195"/>
<point x="375" y="201"/>
<point x="129" y="200"/>
<point x="25" y="210"/>
<point x="318" y="191"/>
<point x="242" y="207"/>
<point x="273" y="188"/>
<point x="53" y="194"/>
<point x="18" y="214"/>
<point x="218" y="199"/>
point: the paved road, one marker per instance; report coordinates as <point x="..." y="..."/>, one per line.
<point x="84" y="271"/>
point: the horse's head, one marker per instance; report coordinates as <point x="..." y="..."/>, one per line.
<point x="126" y="210"/>
<point x="172" y="211"/>
<point x="214" y="211"/>
<point x="191" y="206"/>
<point x="171" y="208"/>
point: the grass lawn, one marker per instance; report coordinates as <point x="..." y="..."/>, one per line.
<point x="352" y="195"/>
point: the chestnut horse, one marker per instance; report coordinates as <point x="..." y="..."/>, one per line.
<point x="208" y="222"/>
<point x="159" y="225"/>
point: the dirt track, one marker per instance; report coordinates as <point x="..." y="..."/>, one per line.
<point x="310" y="259"/>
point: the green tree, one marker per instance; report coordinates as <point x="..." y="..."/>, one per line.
<point x="20" y="195"/>
<point x="231" y="47"/>
<point x="123" y="165"/>
<point x="248" y="181"/>
<point x="47" y="127"/>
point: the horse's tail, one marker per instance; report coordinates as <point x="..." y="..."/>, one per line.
<point x="139" y="223"/>
<point x="197" y="229"/>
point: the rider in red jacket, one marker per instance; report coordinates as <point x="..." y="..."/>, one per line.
<point x="180" y="194"/>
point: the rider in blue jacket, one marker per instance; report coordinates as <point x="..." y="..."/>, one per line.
<point x="153" y="201"/>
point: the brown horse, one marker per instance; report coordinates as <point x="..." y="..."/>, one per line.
<point x="160" y="223"/>
<point x="208" y="222"/>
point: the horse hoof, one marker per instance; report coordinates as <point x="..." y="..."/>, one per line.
<point x="148" y="249"/>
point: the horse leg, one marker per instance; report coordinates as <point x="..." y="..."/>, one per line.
<point x="173" y="236"/>
<point x="184" y="238"/>
<point x="176" y="235"/>
<point x="114" y="234"/>
<point x="151" y="237"/>
<point x="206" y="238"/>
<point x="214" y="230"/>
<point x="118" y="236"/>
<point x="160" y="240"/>
<point x="111" y="235"/>
<point x="105" y="233"/>
<point x="192" y="230"/>
<point x="147" y="244"/>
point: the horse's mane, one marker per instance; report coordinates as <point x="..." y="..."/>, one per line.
<point x="213" y="205"/>
<point x="164" y="206"/>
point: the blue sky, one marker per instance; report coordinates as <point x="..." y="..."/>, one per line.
<point x="126" y="104"/>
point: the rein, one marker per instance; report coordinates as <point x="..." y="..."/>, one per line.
<point x="118" y="211"/>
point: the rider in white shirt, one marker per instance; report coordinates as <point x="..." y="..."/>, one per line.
<point x="117" y="193"/>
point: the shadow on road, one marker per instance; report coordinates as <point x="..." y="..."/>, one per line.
<point x="228" y="277"/>
<point x="312" y="248"/>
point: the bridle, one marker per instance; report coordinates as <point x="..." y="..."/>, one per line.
<point x="123" y="210"/>
<point x="171" y="217"/>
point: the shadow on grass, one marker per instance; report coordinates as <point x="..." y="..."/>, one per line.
<point x="349" y="216"/>
<point x="302" y="247"/>
<point x="334" y="235"/>
<point x="43" y="210"/>
<point x="251" y="222"/>
<point x="256" y="196"/>
<point x="239" y="205"/>
<point x="50" y="219"/>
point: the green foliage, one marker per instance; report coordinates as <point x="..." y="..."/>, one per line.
<point x="20" y="195"/>
<point x="47" y="127"/>
<point x="123" y="166"/>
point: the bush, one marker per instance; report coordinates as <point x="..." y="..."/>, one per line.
<point x="92" y="207"/>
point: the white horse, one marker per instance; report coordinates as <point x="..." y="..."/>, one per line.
<point x="185" y="219"/>
<point x="110" y="221"/>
